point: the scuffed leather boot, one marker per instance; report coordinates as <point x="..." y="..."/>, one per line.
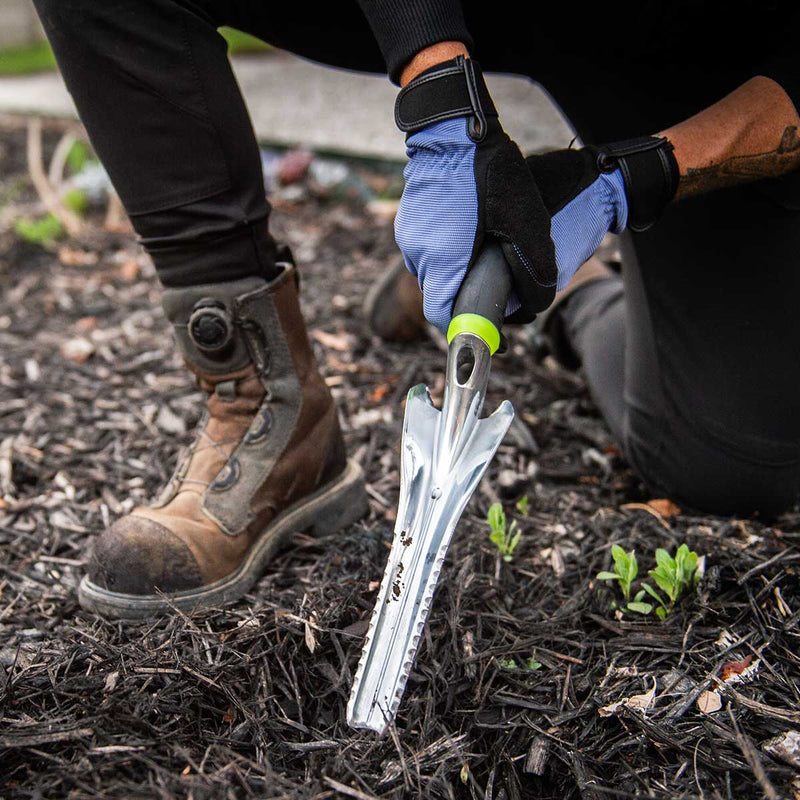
<point x="268" y="459"/>
<point x="393" y="306"/>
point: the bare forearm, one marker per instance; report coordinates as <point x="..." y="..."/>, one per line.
<point x="752" y="133"/>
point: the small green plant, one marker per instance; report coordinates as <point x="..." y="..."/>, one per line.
<point x="530" y="665"/>
<point x="505" y="537"/>
<point x="674" y="576"/>
<point x="626" y="568"/>
<point x="45" y="231"/>
<point x="523" y="505"/>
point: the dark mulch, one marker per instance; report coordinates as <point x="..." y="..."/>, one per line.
<point x="249" y="700"/>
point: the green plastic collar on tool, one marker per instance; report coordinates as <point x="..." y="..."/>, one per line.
<point x="480" y="326"/>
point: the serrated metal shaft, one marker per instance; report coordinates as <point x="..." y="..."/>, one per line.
<point x="443" y="456"/>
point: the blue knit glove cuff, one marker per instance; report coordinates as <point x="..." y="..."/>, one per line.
<point x="580" y="226"/>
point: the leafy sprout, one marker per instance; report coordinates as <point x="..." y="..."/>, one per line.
<point x="505" y="537"/>
<point x="530" y="664"/>
<point x="674" y="576"/>
<point x="625" y="571"/>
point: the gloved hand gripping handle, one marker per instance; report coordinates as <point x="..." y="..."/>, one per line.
<point x="480" y="305"/>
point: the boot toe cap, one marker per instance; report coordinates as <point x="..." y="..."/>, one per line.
<point x="139" y="556"/>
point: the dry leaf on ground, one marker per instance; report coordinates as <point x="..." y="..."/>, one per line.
<point x="641" y="702"/>
<point x="709" y="702"/>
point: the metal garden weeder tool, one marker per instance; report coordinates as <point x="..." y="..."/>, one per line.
<point x="444" y="455"/>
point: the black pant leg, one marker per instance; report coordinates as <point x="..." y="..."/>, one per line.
<point x="721" y="280"/>
<point x="593" y="323"/>
<point x="154" y="88"/>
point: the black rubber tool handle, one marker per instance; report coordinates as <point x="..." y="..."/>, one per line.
<point x="484" y="291"/>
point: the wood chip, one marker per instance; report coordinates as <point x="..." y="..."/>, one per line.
<point x="708" y="702"/>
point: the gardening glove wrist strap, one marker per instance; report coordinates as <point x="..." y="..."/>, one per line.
<point x="592" y="190"/>
<point x="447" y="91"/>
<point x="650" y="173"/>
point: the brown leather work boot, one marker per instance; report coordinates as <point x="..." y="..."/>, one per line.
<point x="268" y="459"/>
<point x="393" y="306"/>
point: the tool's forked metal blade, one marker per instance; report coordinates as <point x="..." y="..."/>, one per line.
<point x="444" y="455"/>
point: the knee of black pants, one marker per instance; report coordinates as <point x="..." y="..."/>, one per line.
<point x="704" y="474"/>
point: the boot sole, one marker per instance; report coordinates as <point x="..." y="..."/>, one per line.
<point x="331" y="508"/>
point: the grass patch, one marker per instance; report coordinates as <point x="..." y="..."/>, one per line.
<point x="28" y="58"/>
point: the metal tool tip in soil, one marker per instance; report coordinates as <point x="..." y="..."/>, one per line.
<point x="444" y="455"/>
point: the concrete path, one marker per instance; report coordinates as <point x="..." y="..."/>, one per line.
<point x="297" y="103"/>
<point x="19" y="24"/>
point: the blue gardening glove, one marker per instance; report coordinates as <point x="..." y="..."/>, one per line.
<point x="466" y="179"/>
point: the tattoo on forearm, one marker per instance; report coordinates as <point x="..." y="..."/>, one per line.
<point x="741" y="169"/>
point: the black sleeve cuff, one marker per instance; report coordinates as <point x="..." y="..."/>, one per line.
<point x="786" y="74"/>
<point x="404" y="28"/>
<point x="782" y="63"/>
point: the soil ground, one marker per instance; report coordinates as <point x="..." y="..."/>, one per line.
<point x="248" y="700"/>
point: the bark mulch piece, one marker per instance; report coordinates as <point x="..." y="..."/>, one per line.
<point x="248" y="700"/>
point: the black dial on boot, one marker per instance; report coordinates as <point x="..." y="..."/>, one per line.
<point x="210" y="326"/>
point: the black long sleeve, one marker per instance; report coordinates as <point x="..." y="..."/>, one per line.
<point x="782" y="64"/>
<point x="404" y="27"/>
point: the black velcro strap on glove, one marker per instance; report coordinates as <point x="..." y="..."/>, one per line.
<point x="449" y="90"/>
<point x="650" y="172"/>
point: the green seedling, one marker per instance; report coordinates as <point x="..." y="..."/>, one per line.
<point x="45" y="231"/>
<point x="626" y="568"/>
<point x="506" y="538"/>
<point x="531" y="664"/>
<point x="638" y="604"/>
<point x="674" y="576"/>
<point x="523" y="505"/>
